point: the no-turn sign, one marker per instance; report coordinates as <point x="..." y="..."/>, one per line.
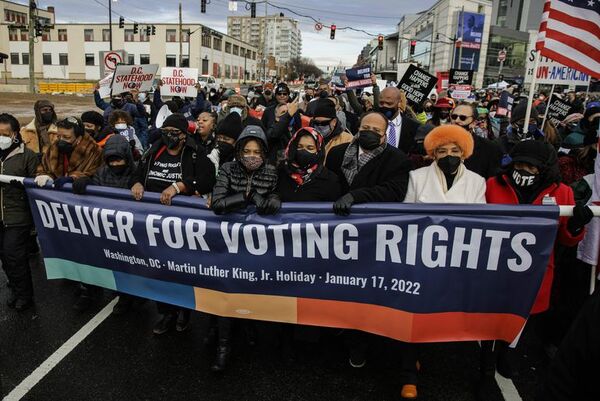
<point x="501" y="55"/>
<point x="110" y="60"/>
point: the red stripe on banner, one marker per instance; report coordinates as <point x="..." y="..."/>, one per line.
<point x="409" y="327"/>
<point x="575" y="43"/>
<point x="575" y="22"/>
<point x="562" y="59"/>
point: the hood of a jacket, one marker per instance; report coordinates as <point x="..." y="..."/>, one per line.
<point x="251" y="132"/>
<point x="118" y="146"/>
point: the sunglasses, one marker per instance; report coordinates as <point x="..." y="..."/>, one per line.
<point x="321" y="123"/>
<point x="460" y="117"/>
<point x="172" y="132"/>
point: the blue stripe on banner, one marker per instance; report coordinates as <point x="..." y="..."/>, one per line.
<point x="57" y="268"/>
<point x="162" y="291"/>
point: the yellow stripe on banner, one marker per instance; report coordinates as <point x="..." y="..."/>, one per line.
<point x="247" y="306"/>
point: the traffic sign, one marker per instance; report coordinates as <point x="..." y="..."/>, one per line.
<point x="502" y="55"/>
<point x="110" y="60"/>
<point x="318" y="26"/>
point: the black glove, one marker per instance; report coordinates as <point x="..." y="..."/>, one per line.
<point x="342" y="206"/>
<point x="270" y="205"/>
<point x="16" y="184"/>
<point x="255" y="198"/>
<point x="581" y="216"/>
<point x="61" y="181"/>
<point x="80" y="185"/>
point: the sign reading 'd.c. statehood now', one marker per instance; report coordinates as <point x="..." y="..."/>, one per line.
<point x="411" y="272"/>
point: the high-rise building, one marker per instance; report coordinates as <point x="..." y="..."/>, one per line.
<point x="279" y="35"/>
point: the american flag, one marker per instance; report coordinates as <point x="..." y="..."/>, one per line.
<point x="570" y="34"/>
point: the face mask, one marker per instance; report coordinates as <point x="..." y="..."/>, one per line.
<point x="90" y="131"/>
<point x="236" y="110"/>
<point x="120" y="126"/>
<point x="323" y="94"/>
<point x="64" y="147"/>
<point x="368" y="140"/>
<point x="171" y="141"/>
<point x="47" y="117"/>
<point x="524" y="179"/>
<point x="252" y="163"/>
<point x="142" y="97"/>
<point x="5" y="142"/>
<point x="225" y="151"/>
<point x="118" y="170"/>
<point x="389" y="112"/>
<point x="306" y="159"/>
<point x="449" y="164"/>
<point x="324" y="130"/>
<point x="268" y="93"/>
<point x="517" y="131"/>
<point x="117" y="103"/>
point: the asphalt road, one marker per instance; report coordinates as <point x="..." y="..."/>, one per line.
<point x="122" y="360"/>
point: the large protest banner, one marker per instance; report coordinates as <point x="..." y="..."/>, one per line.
<point x="128" y="77"/>
<point x="179" y="81"/>
<point x="417" y="84"/>
<point x="415" y="273"/>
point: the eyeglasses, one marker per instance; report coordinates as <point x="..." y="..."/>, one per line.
<point x="462" y="117"/>
<point x="282" y="94"/>
<point x="173" y="132"/>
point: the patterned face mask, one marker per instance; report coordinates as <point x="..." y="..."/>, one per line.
<point x="252" y="163"/>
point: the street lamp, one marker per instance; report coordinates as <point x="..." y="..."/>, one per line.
<point x="245" y="71"/>
<point x="110" y="22"/>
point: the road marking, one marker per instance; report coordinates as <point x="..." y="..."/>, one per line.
<point x="38" y="374"/>
<point x="508" y="389"/>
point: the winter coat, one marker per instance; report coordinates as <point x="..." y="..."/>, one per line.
<point x="14" y="207"/>
<point x="115" y="146"/>
<point x="424" y="186"/>
<point x="135" y="110"/>
<point x="324" y="187"/>
<point x="338" y="137"/>
<point x="501" y="192"/>
<point x="197" y="171"/>
<point x="31" y="139"/>
<point x="84" y="160"/>
<point x="279" y="134"/>
<point x="383" y="179"/>
<point x="486" y="158"/>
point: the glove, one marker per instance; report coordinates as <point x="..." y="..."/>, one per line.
<point x="16" y="184"/>
<point x="42" y="180"/>
<point x="255" y="198"/>
<point x="342" y="206"/>
<point x="80" y="185"/>
<point x="581" y="216"/>
<point x="270" y="205"/>
<point x="61" y="181"/>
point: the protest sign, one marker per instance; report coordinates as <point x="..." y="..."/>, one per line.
<point x="558" y="109"/>
<point x="359" y="77"/>
<point x="179" y="81"/>
<point x="104" y="86"/>
<point x="550" y="72"/>
<point x="460" y="77"/>
<point x="128" y="77"/>
<point x="416" y="84"/>
<point x="415" y="273"/>
<point x="460" y="92"/>
<point x="505" y="104"/>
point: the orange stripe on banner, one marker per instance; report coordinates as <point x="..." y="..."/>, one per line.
<point x="248" y="306"/>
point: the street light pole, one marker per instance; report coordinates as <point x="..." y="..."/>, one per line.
<point x="110" y="24"/>
<point x="245" y="71"/>
<point x="31" y="38"/>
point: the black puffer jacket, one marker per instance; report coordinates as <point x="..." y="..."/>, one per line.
<point x="116" y="146"/>
<point x="14" y="207"/>
<point x="234" y="182"/>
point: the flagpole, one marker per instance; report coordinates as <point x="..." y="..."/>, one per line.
<point x="536" y="63"/>
<point x="548" y="100"/>
<point x="587" y="92"/>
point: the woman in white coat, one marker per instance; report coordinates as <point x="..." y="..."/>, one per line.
<point x="446" y="180"/>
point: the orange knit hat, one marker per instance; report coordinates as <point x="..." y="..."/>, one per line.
<point x="446" y="134"/>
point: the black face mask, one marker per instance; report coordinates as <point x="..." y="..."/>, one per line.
<point x="389" y="112"/>
<point x="524" y="179"/>
<point x="268" y="93"/>
<point x="64" y="147"/>
<point x="308" y="98"/>
<point x="306" y="159"/>
<point x="226" y="151"/>
<point x="368" y="140"/>
<point x="118" y="170"/>
<point x="117" y="103"/>
<point x="90" y="131"/>
<point x="449" y="164"/>
<point x="171" y="141"/>
<point x="47" y="117"/>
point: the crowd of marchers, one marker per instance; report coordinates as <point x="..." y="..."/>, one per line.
<point x="322" y="143"/>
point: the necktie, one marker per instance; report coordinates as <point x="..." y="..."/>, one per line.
<point x="391" y="139"/>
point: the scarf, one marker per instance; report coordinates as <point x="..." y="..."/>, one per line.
<point x="353" y="163"/>
<point x="303" y="175"/>
<point x="442" y="177"/>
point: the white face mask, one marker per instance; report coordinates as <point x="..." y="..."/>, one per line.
<point x="142" y="97"/>
<point x="121" y="126"/>
<point x="236" y="110"/>
<point x="5" y="142"/>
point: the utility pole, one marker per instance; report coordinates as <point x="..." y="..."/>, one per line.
<point x="32" y="8"/>
<point x="265" y="47"/>
<point x="180" y="37"/>
<point x="110" y="24"/>
<point x="462" y="37"/>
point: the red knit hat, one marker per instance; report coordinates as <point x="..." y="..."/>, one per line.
<point x="445" y="134"/>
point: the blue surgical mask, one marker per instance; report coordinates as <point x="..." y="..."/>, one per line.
<point x="236" y="110"/>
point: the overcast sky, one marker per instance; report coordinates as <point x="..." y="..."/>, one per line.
<point x="374" y="16"/>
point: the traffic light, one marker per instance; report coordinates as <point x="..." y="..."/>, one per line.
<point x="253" y="10"/>
<point x="153" y="30"/>
<point x="413" y="43"/>
<point x="203" y="6"/>
<point x="121" y="22"/>
<point x="39" y="30"/>
<point x="148" y="30"/>
<point x="380" y="42"/>
<point x="332" y="33"/>
<point x="135" y="28"/>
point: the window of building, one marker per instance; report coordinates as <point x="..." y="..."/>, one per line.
<point x="45" y="36"/>
<point x="106" y="35"/>
<point x="25" y="58"/>
<point x="89" y="59"/>
<point x="62" y="35"/>
<point x="227" y="69"/>
<point x="47" y="59"/>
<point x="63" y="59"/>
<point x="171" y="35"/>
<point x="24" y="36"/>
<point x="236" y="50"/>
<point x="14" y="58"/>
<point x="204" y="66"/>
<point x="129" y="36"/>
<point x="218" y="44"/>
<point x="13" y="35"/>
<point x="227" y="47"/>
<point x="502" y="11"/>
<point x="185" y="35"/>
<point x="144" y="59"/>
<point x="131" y="59"/>
<point x="206" y="40"/>
<point x="143" y="36"/>
<point x="253" y="55"/>
<point x="185" y="61"/>
<point x="171" y="60"/>
<point x="15" y="16"/>
<point x="235" y="72"/>
<point x="88" y="35"/>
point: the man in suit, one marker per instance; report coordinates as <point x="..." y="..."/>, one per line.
<point x="401" y="128"/>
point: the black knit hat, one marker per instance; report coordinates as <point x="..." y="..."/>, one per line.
<point x="536" y="153"/>
<point x="519" y="111"/>
<point x="176" y="121"/>
<point x="93" y="117"/>
<point x="230" y="126"/>
<point x="325" y="108"/>
<point x="282" y="88"/>
<point x="590" y="110"/>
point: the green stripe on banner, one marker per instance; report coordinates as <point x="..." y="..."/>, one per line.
<point x="59" y="268"/>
